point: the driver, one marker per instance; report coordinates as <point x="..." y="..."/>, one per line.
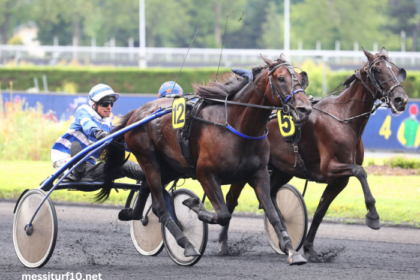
<point x="91" y="123"/>
<point x="168" y="88"/>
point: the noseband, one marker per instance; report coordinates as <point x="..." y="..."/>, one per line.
<point x="384" y="97"/>
<point x="274" y="88"/>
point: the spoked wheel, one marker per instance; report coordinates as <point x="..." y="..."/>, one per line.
<point x="293" y="210"/>
<point x="195" y="230"/>
<point x="146" y="233"/>
<point x="35" y="248"/>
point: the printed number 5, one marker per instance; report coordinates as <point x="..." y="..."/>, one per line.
<point x="385" y="130"/>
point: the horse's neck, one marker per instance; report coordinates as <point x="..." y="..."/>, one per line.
<point x="248" y="120"/>
<point x="356" y="100"/>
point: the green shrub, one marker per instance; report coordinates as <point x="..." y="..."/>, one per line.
<point x="134" y="80"/>
<point x="25" y="134"/>
<point x="403" y="162"/>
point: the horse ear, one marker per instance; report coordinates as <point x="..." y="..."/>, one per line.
<point x="402" y="75"/>
<point x="267" y="60"/>
<point x="305" y="79"/>
<point x="369" y="56"/>
<point x="283" y="57"/>
<point x="384" y="52"/>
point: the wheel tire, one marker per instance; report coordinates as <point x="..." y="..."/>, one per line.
<point x="293" y="210"/>
<point x="147" y="239"/>
<point x="35" y="250"/>
<point x="195" y="230"/>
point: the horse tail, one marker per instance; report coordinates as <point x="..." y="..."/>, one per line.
<point x="113" y="156"/>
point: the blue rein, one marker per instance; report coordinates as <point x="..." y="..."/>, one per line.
<point x="246" y="136"/>
<point x="293" y="93"/>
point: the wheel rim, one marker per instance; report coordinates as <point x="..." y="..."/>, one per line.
<point x="36" y="249"/>
<point x="147" y="239"/>
<point x="293" y="210"/>
<point x="194" y="229"/>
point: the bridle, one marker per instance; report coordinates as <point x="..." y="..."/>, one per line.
<point x="274" y="89"/>
<point x="380" y="95"/>
<point x="370" y="69"/>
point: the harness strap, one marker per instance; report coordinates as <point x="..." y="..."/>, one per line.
<point x="245" y="104"/>
<point x="246" y="136"/>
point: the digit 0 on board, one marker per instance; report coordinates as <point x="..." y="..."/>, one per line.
<point x="286" y="124"/>
<point x="178" y="113"/>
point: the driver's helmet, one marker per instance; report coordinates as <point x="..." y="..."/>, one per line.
<point x="102" y="91"/>
<point x="168" y="88"/>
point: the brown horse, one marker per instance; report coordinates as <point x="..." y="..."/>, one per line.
<point x="333" y="150"/>
<point x="221" y="156"/>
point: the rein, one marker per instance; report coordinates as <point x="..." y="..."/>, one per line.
<point x="384" y="99"/>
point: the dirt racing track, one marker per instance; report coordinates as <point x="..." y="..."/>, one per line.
<point x="91" y="240"/>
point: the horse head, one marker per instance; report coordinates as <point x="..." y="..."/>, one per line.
<point x="387" y="79"/>
<point x="289" y="87"/>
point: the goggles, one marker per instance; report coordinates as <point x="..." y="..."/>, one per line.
<point x="106" y="103"/>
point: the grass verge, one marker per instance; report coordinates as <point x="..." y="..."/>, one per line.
<point x="397" y="197"/>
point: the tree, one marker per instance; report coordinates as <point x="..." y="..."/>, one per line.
<point x="272" y="28"/>
<point x="331" y="20"/>
<point x="10" y="12"/>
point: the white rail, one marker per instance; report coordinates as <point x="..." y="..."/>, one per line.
<point x="54" y="54"/>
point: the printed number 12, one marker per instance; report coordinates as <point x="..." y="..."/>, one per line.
<point x="385" y="130"/>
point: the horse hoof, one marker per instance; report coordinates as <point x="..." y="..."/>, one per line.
<point x="373" y="223"/>
<point x="224" y="249"/>
<point x="191" y="252"/>
<point x="316" y="258"/>
<point x="125" y="214"/>
<point x="193" y="203"/>
<point x="296" y="259"/>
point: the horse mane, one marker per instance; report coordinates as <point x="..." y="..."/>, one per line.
<point x="228" y="85"/>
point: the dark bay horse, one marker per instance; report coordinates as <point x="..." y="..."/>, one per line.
<point x="221" y="156"/>
<point x="333" y="150"/>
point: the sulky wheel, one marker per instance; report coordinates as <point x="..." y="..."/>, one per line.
<point x="293" y="210"/>
<point x="146" y="233"/>
<point x="195" y="230"/>
<point x="34" y="247"/>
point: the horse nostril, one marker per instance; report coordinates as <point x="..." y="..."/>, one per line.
<point x="398" y="100"/>
<point x="303" y="110"/>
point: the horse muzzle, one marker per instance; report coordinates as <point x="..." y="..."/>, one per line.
<point x="301" y="114"/>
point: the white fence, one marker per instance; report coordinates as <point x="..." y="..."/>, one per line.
<point x="51" y="55"/>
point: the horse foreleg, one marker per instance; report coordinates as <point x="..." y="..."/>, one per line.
<point x="231" y="202"/>
<point x="213" y="191"/>
<point x="338" y="170"/>
<point x="330" y="193"/>
<point x="372" y="217"/>
<point x="161" y="208"/>
<point x="261" y="185"/>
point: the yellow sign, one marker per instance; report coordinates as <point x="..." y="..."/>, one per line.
<point x="286" y="124"/>
<point x="178" y="113"/>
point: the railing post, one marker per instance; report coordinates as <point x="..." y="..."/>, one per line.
<point x="375" y="47"/>
<point x="300" y="47"/>
<point x="93" y="48"/>
<point x="75" y="48"/>
<point x="112" y="45"/>
<point x="356" y="49"/>
<point x="130" y="48"/>
<point x="337" y="49"/>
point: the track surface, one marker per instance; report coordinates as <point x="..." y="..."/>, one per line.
<point x="91" y="240"/>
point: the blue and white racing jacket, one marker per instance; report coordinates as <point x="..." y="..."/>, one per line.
<point x="86" y="122"/>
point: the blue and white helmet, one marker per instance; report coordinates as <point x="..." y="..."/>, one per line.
<point x="100" y="91"/>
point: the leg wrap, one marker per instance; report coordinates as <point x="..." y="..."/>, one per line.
<point x="180" y="238"/>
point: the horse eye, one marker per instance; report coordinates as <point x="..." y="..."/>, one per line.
<point x="281" y="79"/>
<point x="378" y="70"/>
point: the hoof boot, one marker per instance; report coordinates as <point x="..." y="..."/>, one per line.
<point x="296" y="259"/>
<point x="191" y="252"/>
